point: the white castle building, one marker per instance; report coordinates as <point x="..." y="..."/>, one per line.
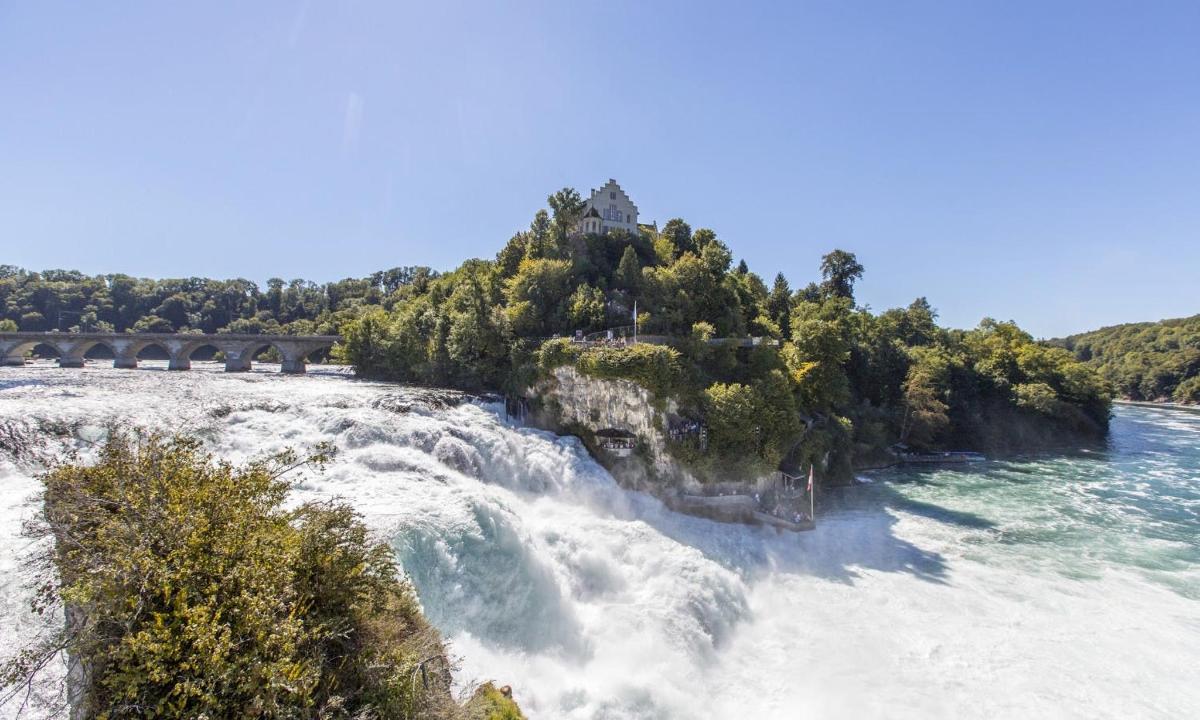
<point x="609" y="208"/>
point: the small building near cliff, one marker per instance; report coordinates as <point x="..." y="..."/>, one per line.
<point x="608" y="209"/>
<point x="616" y="442"/>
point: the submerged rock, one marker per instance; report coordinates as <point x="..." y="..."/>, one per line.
<point x="420" y="399"/>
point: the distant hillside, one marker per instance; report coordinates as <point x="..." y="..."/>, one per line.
<point x="1157" y="361"/>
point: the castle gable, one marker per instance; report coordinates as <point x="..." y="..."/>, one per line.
<point x="607" y="209"/>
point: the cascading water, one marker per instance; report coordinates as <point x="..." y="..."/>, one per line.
<point x="1065" y="587"/>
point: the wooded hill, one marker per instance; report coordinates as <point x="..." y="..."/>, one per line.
<point x="1153" y="361"/>
<point x="838" y="382"/>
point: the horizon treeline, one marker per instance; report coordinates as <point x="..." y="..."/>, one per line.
<point x="68" y="300"/>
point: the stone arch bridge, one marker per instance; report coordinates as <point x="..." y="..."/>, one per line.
<point x="239" y="350"/>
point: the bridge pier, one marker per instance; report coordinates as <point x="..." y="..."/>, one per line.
<point x="12" y="352"/>
<point x="238" y="356"/>
<point x="71" y="352"/>
<point x="295" y="355"/>
<point x="234" y="363"/>
<point x="124" y="353"/>
<point x="292" y="366"/>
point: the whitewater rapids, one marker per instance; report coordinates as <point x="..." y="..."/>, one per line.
<point x="1062" y="587"/>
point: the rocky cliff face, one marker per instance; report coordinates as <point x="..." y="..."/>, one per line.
<point x="574" y="403"/>
<point x="571" y="401"/>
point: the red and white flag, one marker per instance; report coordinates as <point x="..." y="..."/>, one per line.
<point x="810" y="479"/>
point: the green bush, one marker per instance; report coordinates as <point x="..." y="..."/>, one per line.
<point x="491" y="703"/>
<point x="365" y="341"/>
<point x="655" y="367"/>
<point x="195" y="593"/>
<point x="1188" y="390"/>
<point x="556" y="353"/>
<point x="750" y="427"/>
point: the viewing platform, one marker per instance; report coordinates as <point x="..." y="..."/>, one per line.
<point x="626" y="335"/>
<point x="781" y="501"/>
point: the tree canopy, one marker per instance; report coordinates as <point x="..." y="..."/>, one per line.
<point x="69" y="300"/>
<point x="1145" y="361"/>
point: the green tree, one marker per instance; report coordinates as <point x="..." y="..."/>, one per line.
<point x="679" y="234"/>
<point x="925" y="394"/>
<point x="701" y="238"/>
<point x="820" y="349"/>
<point x="629" y="272"/>
<point x="587" y="311"/>
<point x="779" y="305"/>
<point x="734" y="426"/>
<point x="840" y="270"/>
<point x="477" y="339"/>
<point x="716" y="257"/>
<point x="541" y="242"/>
<point x="567" y="207"/>
<point x="1188" y="391"/>
<point x="365" y="341"/>
<point x="510" y="256"/>
<point x="537" y="297"/>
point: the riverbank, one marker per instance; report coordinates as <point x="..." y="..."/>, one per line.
<point x="1156" y="404"/>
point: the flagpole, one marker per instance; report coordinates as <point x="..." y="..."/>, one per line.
<point x="812" y="491"/>
<point x="635" y="322"/>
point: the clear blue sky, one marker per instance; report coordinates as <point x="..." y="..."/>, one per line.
<point x="1036" y="161"/>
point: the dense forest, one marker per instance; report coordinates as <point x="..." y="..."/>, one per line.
<point x="1157" y="361"/>
<point x="838" y="380"/>
<point x="68" y="300"/>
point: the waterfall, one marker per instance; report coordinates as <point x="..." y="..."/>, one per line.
<point x="593" y="601"/>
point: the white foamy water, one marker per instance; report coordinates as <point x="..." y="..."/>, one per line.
<point x="1047" y="588"/>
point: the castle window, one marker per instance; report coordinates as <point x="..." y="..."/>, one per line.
<point x="612" y="195"/>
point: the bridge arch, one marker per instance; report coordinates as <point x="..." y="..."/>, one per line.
<point x="14" y="353"/>
<point x="196" y="347"/>
<point x="93" y="345"/>
<point x="133" y="352"/>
